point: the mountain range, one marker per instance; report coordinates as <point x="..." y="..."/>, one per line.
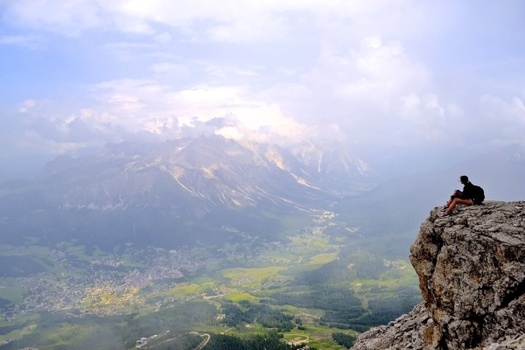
<point x="178" y="192"/>
<point x="212" y="189"/>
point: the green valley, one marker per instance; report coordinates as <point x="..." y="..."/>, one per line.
<point x="316" y="288"/>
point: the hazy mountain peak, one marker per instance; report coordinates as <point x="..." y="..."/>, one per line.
<point x="187" y="179"/>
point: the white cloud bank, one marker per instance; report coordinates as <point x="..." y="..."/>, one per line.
<point x="404" y="74"/>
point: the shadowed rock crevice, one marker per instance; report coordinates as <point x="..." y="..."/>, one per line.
<point x="520" y="291"/>
<point x="471" y="269"/>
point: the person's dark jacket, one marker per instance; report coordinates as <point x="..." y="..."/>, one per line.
<point x="469" y="191"/>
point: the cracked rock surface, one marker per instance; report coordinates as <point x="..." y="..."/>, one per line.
<point x="471" y="269"/>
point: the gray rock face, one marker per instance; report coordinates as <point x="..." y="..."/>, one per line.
<point x="471" y="269"/>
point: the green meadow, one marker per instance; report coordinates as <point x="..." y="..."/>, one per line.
<point x="308" y="288"/>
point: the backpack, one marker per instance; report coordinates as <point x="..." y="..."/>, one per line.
<point x="479" y="194"/>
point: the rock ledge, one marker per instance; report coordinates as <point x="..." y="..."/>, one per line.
<point x="471" y="269"/>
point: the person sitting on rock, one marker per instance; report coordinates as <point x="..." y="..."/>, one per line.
<point x="470" y="195"/>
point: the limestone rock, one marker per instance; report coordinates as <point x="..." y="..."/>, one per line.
<point x="471" y="269"/>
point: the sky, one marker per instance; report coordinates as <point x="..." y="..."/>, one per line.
<point x="385" y="77"/>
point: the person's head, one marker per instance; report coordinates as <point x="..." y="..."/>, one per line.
<point x="463" y="179"/>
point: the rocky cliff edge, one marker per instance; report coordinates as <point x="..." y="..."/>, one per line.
<point x="471" y="269"/>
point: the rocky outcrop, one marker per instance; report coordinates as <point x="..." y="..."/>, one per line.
<point x="471" y="269"/>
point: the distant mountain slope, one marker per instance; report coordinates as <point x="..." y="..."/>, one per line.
<point x="215" y="190"/>
<point x="178" y="191"/>
<point x="210" y="171"/>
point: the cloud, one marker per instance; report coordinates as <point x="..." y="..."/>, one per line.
<point x="169" y="68"/>
<point x="163" y="38"/>
<point x="143" y="101"/>
<point x="421" y="109"/>
<point x="231" y="21"/>
<point x="28" y="41"/>
<point x="124" y="109"/>
<point x="361" y="89"/>
<point x="248" y="29"/>
<point x="503" y="120"/>
<point x="66" y="17"/>
<point x="381" y="73"/>
<point x="26" y="106"/>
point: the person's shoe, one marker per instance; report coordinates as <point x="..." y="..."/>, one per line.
<point x="445" y="214"/>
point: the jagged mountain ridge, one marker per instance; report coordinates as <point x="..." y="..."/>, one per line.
<point x="178" y="191"/>
<point x="212" y="171"/>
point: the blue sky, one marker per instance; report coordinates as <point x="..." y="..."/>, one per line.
<point x="380" y="75"/>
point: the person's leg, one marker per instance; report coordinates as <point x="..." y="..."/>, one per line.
<point x="455" y="202"/>
<point x="450" y="200"/>
<point x="456" y="194"/>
